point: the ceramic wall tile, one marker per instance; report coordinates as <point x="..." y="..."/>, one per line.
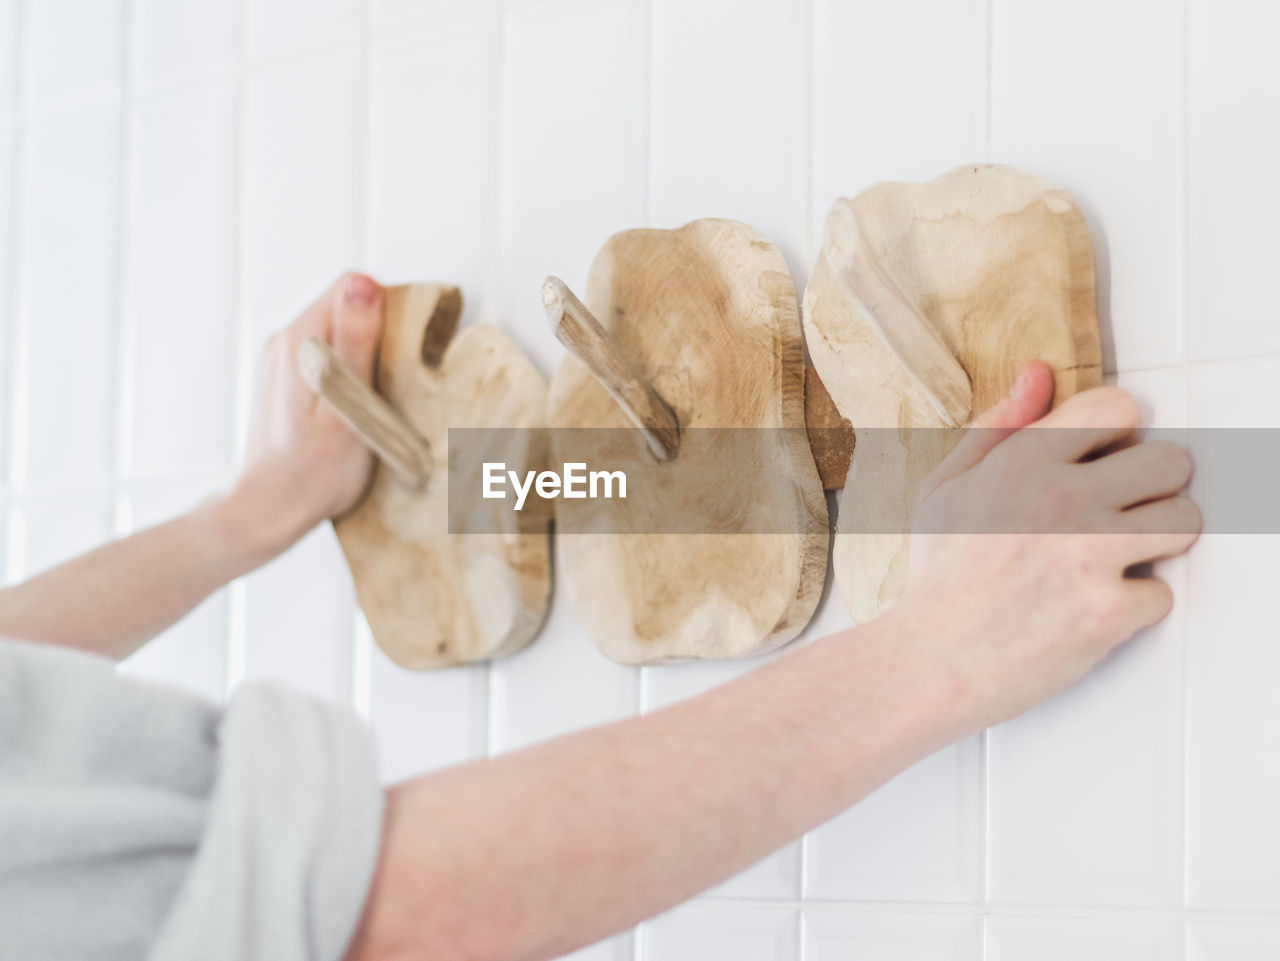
<point x="727" y="117"/>
<point x="282" y="26"/>
<point x="1100" y="111"/>
<point x="176" y="39"/>
<point x="1078" y="939"/>
<point x="699" y="930"/>
<point x="434" y="107"/>
<point x="69" y="285"/>
<point x="302" y="223"/>
<point x="74" y="52"/>
<point x="1233" y="81"/>
<point x="1233" y="719"/>
<point x="841" y="935"/>
<point x="932" y="55"/>
<point x="182" y="294"/>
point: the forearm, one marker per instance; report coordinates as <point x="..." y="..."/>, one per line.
<point x="539" y="852"/>
<point x="302" y="465"/>
<point x="115" y="598"/>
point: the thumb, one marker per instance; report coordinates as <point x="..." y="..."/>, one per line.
<point x="1027" y="402"/>
<point x="357" y="323"/>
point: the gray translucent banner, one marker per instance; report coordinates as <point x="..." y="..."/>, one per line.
<point x="763" y="481"/>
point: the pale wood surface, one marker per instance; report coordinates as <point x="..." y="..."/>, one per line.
<point x="1000" y="264"/>
<point x="432" y="598"/>
<point x="708" y="314"/>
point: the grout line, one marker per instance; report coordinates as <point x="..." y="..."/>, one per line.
<point x="484" y="719"/>
<point x="63" y="111"/>
<point x="984" y="815"/>
<point x="810" y="140"/>
<point x="208" y="474"/>
<point x="16" y="562"/>
<point x="488" y="688"/>
<point x="797" y="933"/>
<point x="237" y="593"/>
<point x="984" y="737"/>
<point x="10" y="268"/>
<point x="148" y="91"/>
<point x="646" y="116"/>
<point x="645" y="45"/>
<point x="126" y="328"/>
<point x="20" y="333"/>
<point x="1184" y="639"/>
<point x="1004" y="910"/>
<point x="361" y="690"/>
<point x="645" y="40"/>
<point x="1185" y="10"/>
<point x="643" y="684"/>
<point x="809" y="254"/>
<point x="990" y="92"/>
<point x="17" y="346"/>
<point x="237" y="631"/>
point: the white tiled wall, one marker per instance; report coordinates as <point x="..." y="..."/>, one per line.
<point x="179" y="177"/>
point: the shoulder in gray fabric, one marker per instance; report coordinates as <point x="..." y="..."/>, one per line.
<point x="292" y="839"/>
<point x="137" y="821"/>
<point x="104" y="786"/>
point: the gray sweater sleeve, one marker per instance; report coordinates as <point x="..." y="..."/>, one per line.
<point x="139" y="822"/>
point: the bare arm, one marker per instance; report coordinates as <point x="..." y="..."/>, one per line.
<point x="532" y="855"/>
<point x="536" y="853"/>
<point x="302" y="466"/>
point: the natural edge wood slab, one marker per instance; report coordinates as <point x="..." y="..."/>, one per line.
<point x="999" y="262"/>
<point x="708" y="314"/>
<point x="432" y="598"/>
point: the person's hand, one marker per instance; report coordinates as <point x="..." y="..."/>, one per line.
<point x="302" y="464"/>
<point x="1021" y="571"/>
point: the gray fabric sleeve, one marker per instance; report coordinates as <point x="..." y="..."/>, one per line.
<point x="137" y="821"/>
<point x="291" y="841"/>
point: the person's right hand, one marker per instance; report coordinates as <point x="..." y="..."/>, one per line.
<point x="1020" y="573"/>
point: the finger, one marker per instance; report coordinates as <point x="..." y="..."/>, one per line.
<point x="1030" y="397"/>
<point x="1149" y="601"/>
<point x="1091" y="421"/>
<point x="1163" y="528"/>
<point x="357" y="323"/>
<point x="1139" y="473"/>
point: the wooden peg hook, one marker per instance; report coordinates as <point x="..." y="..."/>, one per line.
<point x="586" y="339"/>
<point x="863" y="279"/>
<point x="371" y="418"/>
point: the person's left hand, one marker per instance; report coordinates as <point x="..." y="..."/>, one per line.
<point x="302" y="464"/>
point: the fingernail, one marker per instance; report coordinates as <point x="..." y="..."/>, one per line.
<point x="361" y="290"/>
<point x="1022" y="383"/>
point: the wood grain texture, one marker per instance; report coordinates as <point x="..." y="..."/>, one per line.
<point x="432" y="598"/>
<point x="1000" y="264"/>
<point x="708" y="314"/>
